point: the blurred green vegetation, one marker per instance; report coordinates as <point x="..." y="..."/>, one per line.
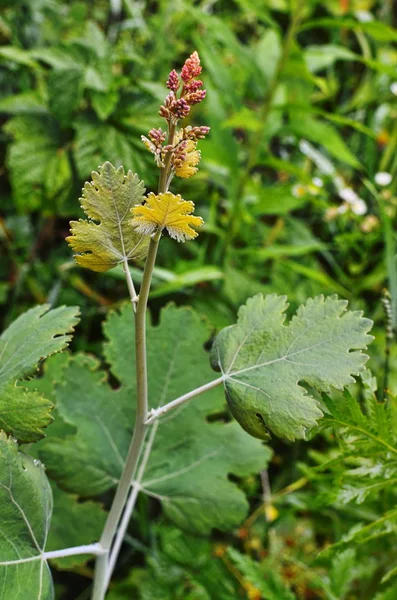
<point x="298" y="192"/>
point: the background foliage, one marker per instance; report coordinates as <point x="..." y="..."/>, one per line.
<point x="302" y="108"/>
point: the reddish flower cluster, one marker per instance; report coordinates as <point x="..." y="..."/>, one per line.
<point x="184" y="154"/>
<point x="178" y="108"/>
<point x="191" y="68"/>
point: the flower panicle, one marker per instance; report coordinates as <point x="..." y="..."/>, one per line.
<point x="175" y="108"/>
<point x="185" y="90"/>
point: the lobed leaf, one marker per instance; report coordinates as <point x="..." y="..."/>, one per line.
<point x="191" y="458"/>
<point x="264" y="362"/>
<point x="32" y="337"/>
<point x="107" y="237"/>
<point x="35" y="335"/>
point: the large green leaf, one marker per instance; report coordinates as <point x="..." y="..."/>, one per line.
<point x="65" y="92"/>
<point x="191" y="458"/>
<point x="25" y="509"/>
<point x="35" y="141"/>
<point x="265" y="362"/>
<point x="107" y="238"/>
<point x="32" y="337"/>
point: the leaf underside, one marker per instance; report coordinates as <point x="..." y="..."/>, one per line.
<point x="264" y="361"/>
<point x="25" y="509"/>
<point x="107" y="238"/>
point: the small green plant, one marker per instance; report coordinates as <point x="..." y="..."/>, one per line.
<point x="145" y="436"/>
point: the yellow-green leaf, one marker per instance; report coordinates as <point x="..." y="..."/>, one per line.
<point x="107" y="237"/>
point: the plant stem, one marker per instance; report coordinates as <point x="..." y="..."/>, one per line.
<point x="88" y="549"/>
<point x="117" y="507"/>
<point x="155" y="413"/>
<point x="165" y="171"/>
<point x="120" y="499"/>
<point x="102" y="567"/>
<point x="130" y="505"/>
<point x="130" y="285"/>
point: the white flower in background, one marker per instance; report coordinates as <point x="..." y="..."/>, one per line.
<point x="348" y="195"/>
<point x="364" y="16"/>
<point x="342" y="209"/>
<point x="359" y="207"/>
<point x="322" y="163"/>
<point x="393" y="88"/>
<point x="317" y="181"/>
<point x="299" y="190"/>
<point x="383" y="178"/>
<point x="352" y="201"/>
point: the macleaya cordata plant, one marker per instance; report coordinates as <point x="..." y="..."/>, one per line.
<point x="146" y="437"/>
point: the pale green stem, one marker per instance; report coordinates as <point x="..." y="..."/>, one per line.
<point x="130" y="284"/>
<point x="121" y="496"/>
<point x="138" y="438"/>
<point x="136" y="487"/>
<point x="95" y="549"/>
<point x="155" y="413"/>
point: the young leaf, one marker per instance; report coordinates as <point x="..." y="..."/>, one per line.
<point x="193" y="483"/>
<point x="169" y="211"/>
<point x="107" y="237"/>
<point x="25" y="508"/>
<point x="263" y="361"/>
<point x="32" y="337"/>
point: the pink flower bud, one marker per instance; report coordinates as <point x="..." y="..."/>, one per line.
<point x="191" y="68"/>
<point x="173" y="81"/>
<point x="200" y="132"/>
<point x="170" y="100"/>
<point x="157" y="136"/>
<point x="181" y="109"/>
<point x="164" y="112"/>
<point x="193" y="86"/>
<point x="195" y="97"/>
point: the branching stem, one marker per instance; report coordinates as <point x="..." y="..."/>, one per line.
<point x="130" y="285"/>
<point x="129" y="508"/>
<point x="155" y="413"/>
<point x="95" y="549"/>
